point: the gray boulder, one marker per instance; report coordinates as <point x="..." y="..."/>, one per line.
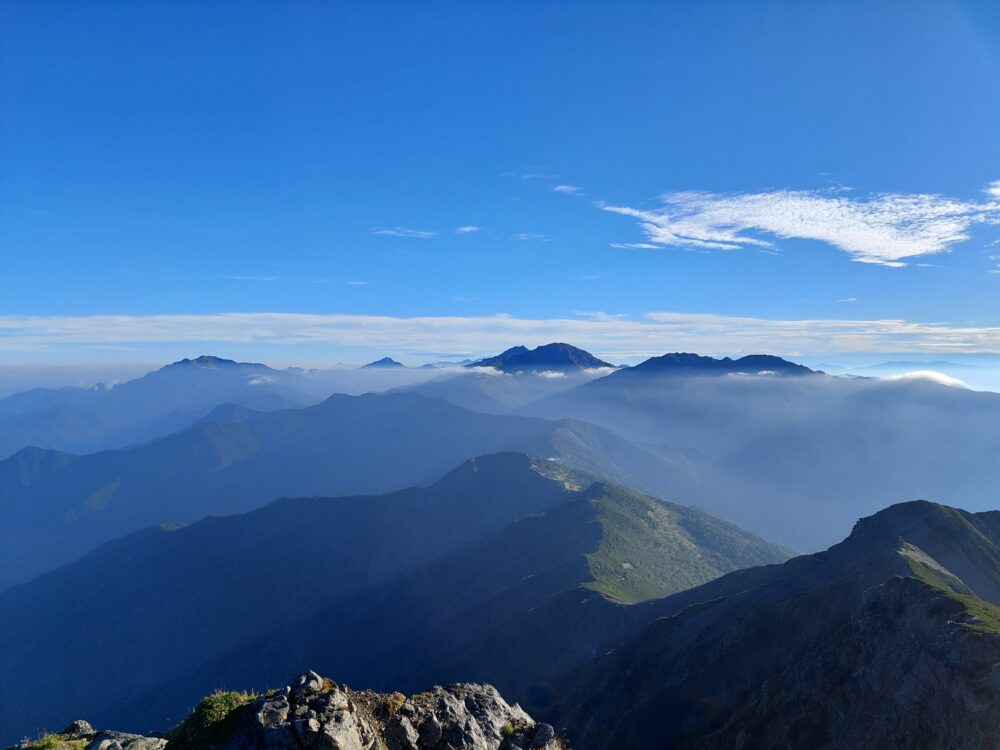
<point x="308" y="683"/>
<point x="77" y="729"/>
<point x="430" y="732"/>
<point x="544" y="734"/>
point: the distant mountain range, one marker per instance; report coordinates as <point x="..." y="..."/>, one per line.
<point x="785" y="451"/>
<point x="83" y="420"/>
<point x="507" y="554"/>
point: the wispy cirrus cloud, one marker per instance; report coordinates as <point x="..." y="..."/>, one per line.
<point x="419" y="234"/>
<point x="609" y="336"/>
<point x="284" y="279"/>
<point x="636" y="245"/>
<point x="567" y="189"/>
<point x="885" y="228"/>
<point x="467" y="229"/>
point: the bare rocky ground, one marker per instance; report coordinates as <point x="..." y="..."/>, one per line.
<point x="315" y="713"/>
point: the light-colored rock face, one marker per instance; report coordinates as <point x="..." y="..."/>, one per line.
<point x="125" y="741"/>
<point x="329" y="720"/>
<point x="314" y="713"/>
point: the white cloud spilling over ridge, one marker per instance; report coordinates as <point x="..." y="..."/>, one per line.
<point x="884" y="228"/>
<point x="610" y="337"/>
<point x="931" y="376"/>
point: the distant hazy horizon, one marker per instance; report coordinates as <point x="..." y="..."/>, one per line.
<point x="975" y="371"/>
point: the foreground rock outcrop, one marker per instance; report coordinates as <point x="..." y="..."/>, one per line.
<point x="315" y="713"/>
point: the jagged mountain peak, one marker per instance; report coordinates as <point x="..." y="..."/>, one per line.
<point x="557" y="356"/>
<point x="208" y="360"/>
<point x="923" y="519"/>
<point x="382" y="364"/>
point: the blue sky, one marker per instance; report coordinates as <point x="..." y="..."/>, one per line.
<point x="640" y="176"/>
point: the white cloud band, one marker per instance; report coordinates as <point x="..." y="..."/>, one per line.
<point x="885" y="228"/>
<point x="611" y="337"/>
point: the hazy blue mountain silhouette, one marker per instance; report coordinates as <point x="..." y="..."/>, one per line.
<point x="88" y="419"/>
<point x="679" y="363"/>
<point x="237" y="459"/>
<point x="550" y="357"/>
<point x="384" y="363"/>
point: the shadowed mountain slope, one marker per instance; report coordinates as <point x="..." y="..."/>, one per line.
<point x="888" y="639"/>
<point x="498" y="557"/>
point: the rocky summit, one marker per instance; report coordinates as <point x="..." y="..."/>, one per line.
<point x="315" y="713"/>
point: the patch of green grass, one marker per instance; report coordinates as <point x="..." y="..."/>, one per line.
<point x="571" y="479"/>
<point x="935" y="577"/>
<point x="645" y="552"/>
<point x="988" y="615"/>
<point x="56" y="742"/>
<point x="212" y="722"/>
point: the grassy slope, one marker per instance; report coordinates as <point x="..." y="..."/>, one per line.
<point x="651" y="549"/>
<point x="971" y="537"/>
<point x="987" y="616"/>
